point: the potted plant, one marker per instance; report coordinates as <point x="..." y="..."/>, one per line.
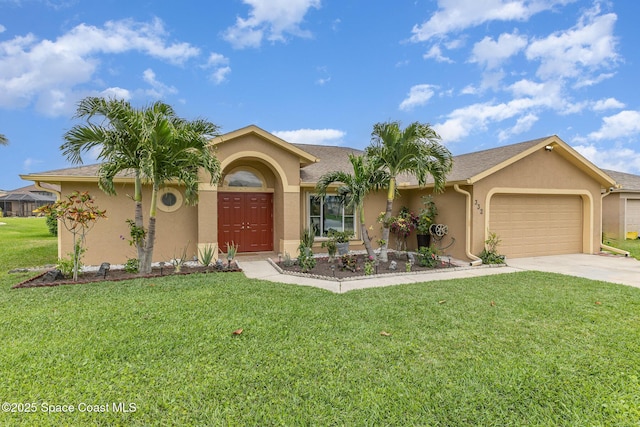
<point x="340" y="239"/>
<point x="332" y="248"/>
<point x="425" y="219"/>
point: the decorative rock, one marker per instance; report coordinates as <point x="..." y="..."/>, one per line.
<point x="219" y="264"/>
<point x="393" y="265"/>
<point x="411" y="257"/>
<point x="104" y="269"/>
<point x="52" y="276"/>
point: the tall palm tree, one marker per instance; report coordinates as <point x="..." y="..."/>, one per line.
<point x="414" y="150"/>
<point x="112" y="128"/>
<point x="3" y="140"/>
<point x="154" y="143"/>
<point x="354" y="188"/>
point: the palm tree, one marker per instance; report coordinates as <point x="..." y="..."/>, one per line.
<point x="414" y="150"/>
<point x="354" y="188"/>
<point x="3" y="140"/>
<point x="154" y="144"/>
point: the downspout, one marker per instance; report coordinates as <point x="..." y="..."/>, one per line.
<point x="39" y="186"/>
<point x="467" y="244"/>
<point x="602" y="244"/>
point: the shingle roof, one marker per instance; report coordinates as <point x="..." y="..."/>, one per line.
<point x="465" y="166"/>
<point x="331" y="158"/>
<point x="629" y="182"/>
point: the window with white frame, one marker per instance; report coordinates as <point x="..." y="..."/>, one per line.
<point x="326" y="213"/>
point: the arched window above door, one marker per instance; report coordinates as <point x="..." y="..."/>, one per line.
<point x="244" y="177"/>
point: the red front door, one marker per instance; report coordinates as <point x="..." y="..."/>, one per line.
<point x="247" y="220"/>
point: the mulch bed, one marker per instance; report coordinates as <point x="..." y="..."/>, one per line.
<point x="323" y="268"/>
<point x="119" y="275"/>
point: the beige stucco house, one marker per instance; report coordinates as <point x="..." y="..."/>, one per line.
<point x="622" y="207"/>
<point x="541" y="197"/>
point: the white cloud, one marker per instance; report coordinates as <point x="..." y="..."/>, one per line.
<point x="2" y="28"/>
<point x="607" y="104"/>
<point x="220" y="65"/>
<point x="436" y="53"/>
<point x="158" y="89"/>
<point x="579" y="51"/>
<point x="116" y="92"/>
<point x="624" y="124"/>
<point x="620" y="159"/>
<point x="476" y="117"/>
<point x="271" y="20"/>
<point x="457" y="15"/>
<point x="491" y="53"/>
<point x="29" y="163"/>
<point x="47" y="71"/>
<point x="312" y="136"/>
<point x="418" y="95"/>
<point x="523" y="124"/>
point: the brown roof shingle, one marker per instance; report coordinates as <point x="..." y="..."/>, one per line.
<point x="628" y="181"/>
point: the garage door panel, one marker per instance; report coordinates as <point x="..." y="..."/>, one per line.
<point x="536" y="225"/>
<point x="633" y="215"/>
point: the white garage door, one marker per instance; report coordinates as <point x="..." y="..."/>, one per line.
<point x="537" y="225"/>
<point x="633" y="215"/>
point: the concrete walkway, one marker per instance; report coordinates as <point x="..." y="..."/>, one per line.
<point x="604" y="267"/>
<point x="615" y="269"/>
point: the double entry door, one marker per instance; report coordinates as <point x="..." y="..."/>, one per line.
<point x="247" y="220"/>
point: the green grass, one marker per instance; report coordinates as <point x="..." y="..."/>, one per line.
<point x="632" y="246"/>
<point x="551" y="350"/>
<point x="26" y="242"/>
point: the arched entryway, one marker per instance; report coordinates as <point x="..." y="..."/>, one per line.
<point x="245" y="210"/>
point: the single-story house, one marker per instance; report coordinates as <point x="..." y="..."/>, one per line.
<point x="23" y="201"/>
<point x="541" y="197"/>
<point x="622" y="206"/>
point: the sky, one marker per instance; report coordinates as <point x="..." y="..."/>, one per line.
<point x="483" y="73"/>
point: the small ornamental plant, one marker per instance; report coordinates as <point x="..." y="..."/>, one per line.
<point x="78" y="214"/>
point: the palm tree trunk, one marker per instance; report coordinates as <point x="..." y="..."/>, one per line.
<point x="151" y="234"/>
<point x="391" y="194"/>
<point x="365" y="234"/>
<point x="139" y="220"/>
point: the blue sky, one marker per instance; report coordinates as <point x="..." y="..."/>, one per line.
<point x="484" y="73"/>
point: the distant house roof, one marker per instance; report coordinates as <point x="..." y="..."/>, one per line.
<point x="27" y="197"/>
<point x="626" y="181"/>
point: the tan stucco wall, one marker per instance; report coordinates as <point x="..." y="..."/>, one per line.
<point x="542" y="172"/>
<point x="613" y="216"/>
<point x="451" y="212"/>
<point x="174" y="231"/>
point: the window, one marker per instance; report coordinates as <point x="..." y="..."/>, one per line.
<point x="327" y="213"/>
<point x="243" y="178"/>
<point x="170" y="199"/>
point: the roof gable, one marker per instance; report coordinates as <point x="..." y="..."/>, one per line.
<point x="305" y="157"/>
<point x="472" y="167"/>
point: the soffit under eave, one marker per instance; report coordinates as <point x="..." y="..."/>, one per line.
<point x="305" y="158"/>
<point x="564" y="150"/>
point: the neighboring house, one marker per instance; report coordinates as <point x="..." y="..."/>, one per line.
<point x="621" y="208"/>
<point x="541" y="197"/>
<point x="23" y="201"/>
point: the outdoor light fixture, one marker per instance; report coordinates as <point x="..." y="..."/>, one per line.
<point x="549" y="147"/>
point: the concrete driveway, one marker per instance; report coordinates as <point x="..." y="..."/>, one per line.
<point x="608" y="268"/>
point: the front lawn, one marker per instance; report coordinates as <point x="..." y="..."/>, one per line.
<point x="26" y="242"/>
<point x="512" y="349"/>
